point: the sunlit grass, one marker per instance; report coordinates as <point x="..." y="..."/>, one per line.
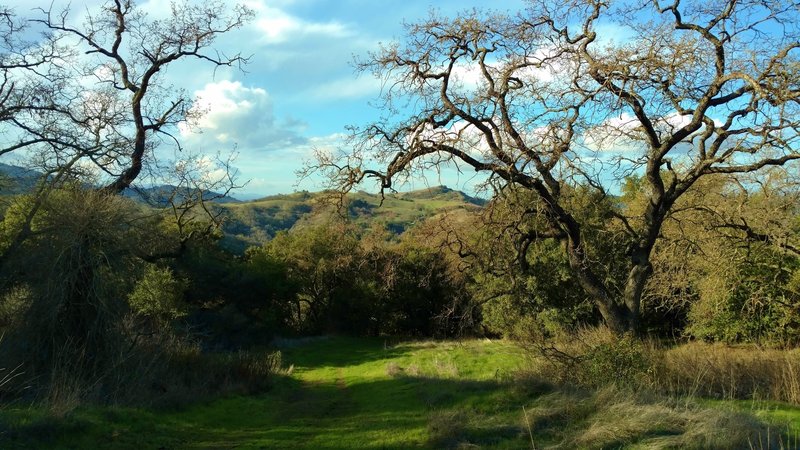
<point x="377" y="394"/>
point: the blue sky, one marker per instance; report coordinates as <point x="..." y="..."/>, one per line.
<point x="308" y="89"/>
<point x="300" y="89"/>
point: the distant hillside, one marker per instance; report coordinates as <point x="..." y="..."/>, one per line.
<point x="160" y="195"/>
<point x="255" y="222"/>
<point x="17" y="180"/>
<point x="442" y="193"/>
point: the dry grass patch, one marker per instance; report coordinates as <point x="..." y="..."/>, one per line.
<point x="595" y="357"/>
<point x="613" y="418"/>
<point x="722" y="371"/>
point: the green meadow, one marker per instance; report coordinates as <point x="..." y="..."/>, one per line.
<point x="342" y="393"/>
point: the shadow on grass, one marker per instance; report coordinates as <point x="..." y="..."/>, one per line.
<point x="368" y="401"/>
<point x="389" y="413"/>
<point x="400" y="412"/>
<point x="338" y="351"/>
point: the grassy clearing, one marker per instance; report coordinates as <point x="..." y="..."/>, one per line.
<point x="370" y="394"/>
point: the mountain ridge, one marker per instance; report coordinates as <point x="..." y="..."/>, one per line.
<point x="254" y="222"/>
<point x="257" y="221"/>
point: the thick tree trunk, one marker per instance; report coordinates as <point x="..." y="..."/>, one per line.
<point x="632" y="296"/>
<point x="620" y="315"/>
<point x="616" y="316"/>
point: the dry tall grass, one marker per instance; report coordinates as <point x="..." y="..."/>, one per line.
<point x="159" y="374"/>
<point x="722" y="371"/>
<point x="614" y="418"/>
<point x="595" y="357"/>
<point x="188" y="374"/>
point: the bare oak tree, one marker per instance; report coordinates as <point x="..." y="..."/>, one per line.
<point x="90" y="101"/>
<point x="127" y="52"/>
<point x="582" y="93"/>
<point x="88" y="105"/>
<point x="28" y="81"/>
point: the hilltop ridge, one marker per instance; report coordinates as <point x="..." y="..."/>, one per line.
<point x="253" y="222"/>
<point x="256" y="221"/>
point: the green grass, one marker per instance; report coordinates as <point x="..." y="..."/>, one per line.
<point x="783" y="415"/>
<point x="340" y="395"/>
<point x="372" y="394"/>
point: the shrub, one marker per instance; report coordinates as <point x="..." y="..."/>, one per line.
<point x="737" y="305"/>
<point x="69" y="283"/>
<point x="595" y="357"/>
<point x="158" y="295"/>
<point x="86" y="319"/>
<point x="13" y="306"/>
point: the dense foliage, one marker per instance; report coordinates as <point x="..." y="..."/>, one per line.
<point x="106" y="298"/>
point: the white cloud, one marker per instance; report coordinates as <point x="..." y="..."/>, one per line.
<point x="270" y="149"/>
<point x="468" y="74"/>
<point x="624" y="133"/>
<point x="546" y="65"/>
<point x="212" y="172"/>
<point x="277" y="26"/>
<point x="673" y="122"/>
<point x="345" y="88"/>
<point x="233" y="114"/>
<point x="617" y="133"/>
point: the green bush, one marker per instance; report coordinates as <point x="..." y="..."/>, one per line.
<point x="754" y="299"/>
<point x="158" y="295"/>
<point x="620" y="362"/>
<point x="595" y="357"/>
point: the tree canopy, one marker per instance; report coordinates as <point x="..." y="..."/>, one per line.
<point x="585" y="93"/>
<point x="89" y="102"/>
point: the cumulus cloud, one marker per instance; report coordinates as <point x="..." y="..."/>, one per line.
<point x="278" y="26"/>
<point x="624" y="133"/>
<point x="270" y="149"/>
<point x="468" y="74"/>
<point x="546" y="65"/>
<point x="618" y="133"/>
<point x="233" y="114"/>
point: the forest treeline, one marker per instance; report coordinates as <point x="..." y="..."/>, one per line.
<point x="648" y="186"/>
<point x="108" y="282"/>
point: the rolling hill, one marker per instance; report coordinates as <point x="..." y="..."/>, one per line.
<point x="255" y="222"/>
<point x="19" y="180"/>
